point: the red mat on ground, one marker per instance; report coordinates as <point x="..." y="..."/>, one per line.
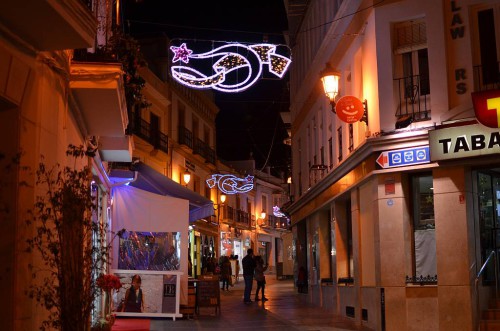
<point x="131" y="324"/>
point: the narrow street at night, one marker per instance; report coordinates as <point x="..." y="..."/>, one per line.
<point x="285" y="310"/>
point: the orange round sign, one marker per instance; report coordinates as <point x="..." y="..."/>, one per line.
<point x="349" y="109"/>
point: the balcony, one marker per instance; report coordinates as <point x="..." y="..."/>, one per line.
<point x="202" y="149"/>
<point x="48" y="25"/>
<point x="198" y="146"/>
<point x="98" y="90"/>
<point x="486" y="77"/>
<point x="185" y="137"/>
<point x="242" y="218"/>
<point x="413" y="100"/>
<point x="143" y="130"/>
<point x="277" y="223"/>
<point x="227" y="214"/>
<point x="235" y="217"/>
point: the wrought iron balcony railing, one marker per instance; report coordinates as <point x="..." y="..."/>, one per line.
<point x="486" y="77"/>
<point x="413" y="98"/>
<point x="198" y="146"/>
<point x="227" y="214"/>
<point x="243" y="218"/>
<point x="185" y="137"/>
<point x="276" y="222"/>
<point x="142" y="129"/>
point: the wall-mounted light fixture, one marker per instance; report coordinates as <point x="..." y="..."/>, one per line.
<point x="217" y="206"/>
<point x="330" y="80"/>
<point x="187" y="177"/>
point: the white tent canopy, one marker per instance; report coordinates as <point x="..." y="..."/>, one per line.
<point x="134" y="209"/>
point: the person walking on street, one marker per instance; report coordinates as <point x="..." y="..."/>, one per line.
<point x="260" y="277"/>
<point x="248" y="263"/>
<point x="225" y="273"/>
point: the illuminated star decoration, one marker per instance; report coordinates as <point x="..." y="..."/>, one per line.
<point x="230" y="184"/>
<point x="181" y="53"/>
<point x="245" y="62"/>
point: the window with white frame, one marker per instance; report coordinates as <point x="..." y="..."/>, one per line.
<point x="411" y="69"/>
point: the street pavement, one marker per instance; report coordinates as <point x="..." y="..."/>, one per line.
<point x="285" y="310"/>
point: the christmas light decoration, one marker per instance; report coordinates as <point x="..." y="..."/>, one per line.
<point x="181" y="53"/>
<point x="230" y="184"/>
<point x="277" y="212"/>
<point x="231" y="67"/>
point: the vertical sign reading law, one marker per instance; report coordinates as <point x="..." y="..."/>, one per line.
<point x="169" y="291"/>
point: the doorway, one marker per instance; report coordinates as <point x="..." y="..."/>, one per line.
<point x="488" y="185"/>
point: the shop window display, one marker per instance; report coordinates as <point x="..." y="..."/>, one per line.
<point x="158" y="251"/>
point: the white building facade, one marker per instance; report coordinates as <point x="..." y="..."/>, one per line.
<point x="394" y="217"/>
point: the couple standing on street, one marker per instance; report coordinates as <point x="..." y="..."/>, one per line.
<point x="253" y="267"/>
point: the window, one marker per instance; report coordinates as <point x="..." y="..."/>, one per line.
<point x="309" y="167"/>
<point x="424" y="241"/>
<point x="182" y="115"/>
<point x="488" y="188"/>
<point x="208" y="191"/>
<point x="339" y="139"/>
<point x="300" y="183"/>
<point x="196" y="184"/>
<point x="330" y="151"/>
<point x="299" y="143"/>
<point x="416" y="73"/>
<point x="196" y="127"/>
<point x="411" y="68"/>
<point x="344" y="246"/>
<point x="249" y="206"/>
<point x="154" y="127"/>
<point x="264" y="204"/>
<point x="350" y="252"/>
<point x="351" y="137"/>
<point x="206" y="134"/>
<point x="485" y="33"/>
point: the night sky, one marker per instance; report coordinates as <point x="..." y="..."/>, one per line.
<point x="249" y="121"/>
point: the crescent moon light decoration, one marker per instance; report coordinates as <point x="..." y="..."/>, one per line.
<point x="232" y="67"/>
<point x="230" y="184"/>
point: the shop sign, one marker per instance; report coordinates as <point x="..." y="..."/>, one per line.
<point x="463" y="141"/>
<point x="487" y="107"/>
<point x="349" y="109"/>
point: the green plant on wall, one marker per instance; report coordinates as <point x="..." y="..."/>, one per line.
<point x="126" y="50"/>
<point x="69" y="241"/>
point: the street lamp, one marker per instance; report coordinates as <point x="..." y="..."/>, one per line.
<point x="330" y="79"/>
<point x="217" y="207"/>
<point x="187" y="177"/>
<point x="262" y="218"/>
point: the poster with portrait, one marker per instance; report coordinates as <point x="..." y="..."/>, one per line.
<point x="156" y="293"/>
